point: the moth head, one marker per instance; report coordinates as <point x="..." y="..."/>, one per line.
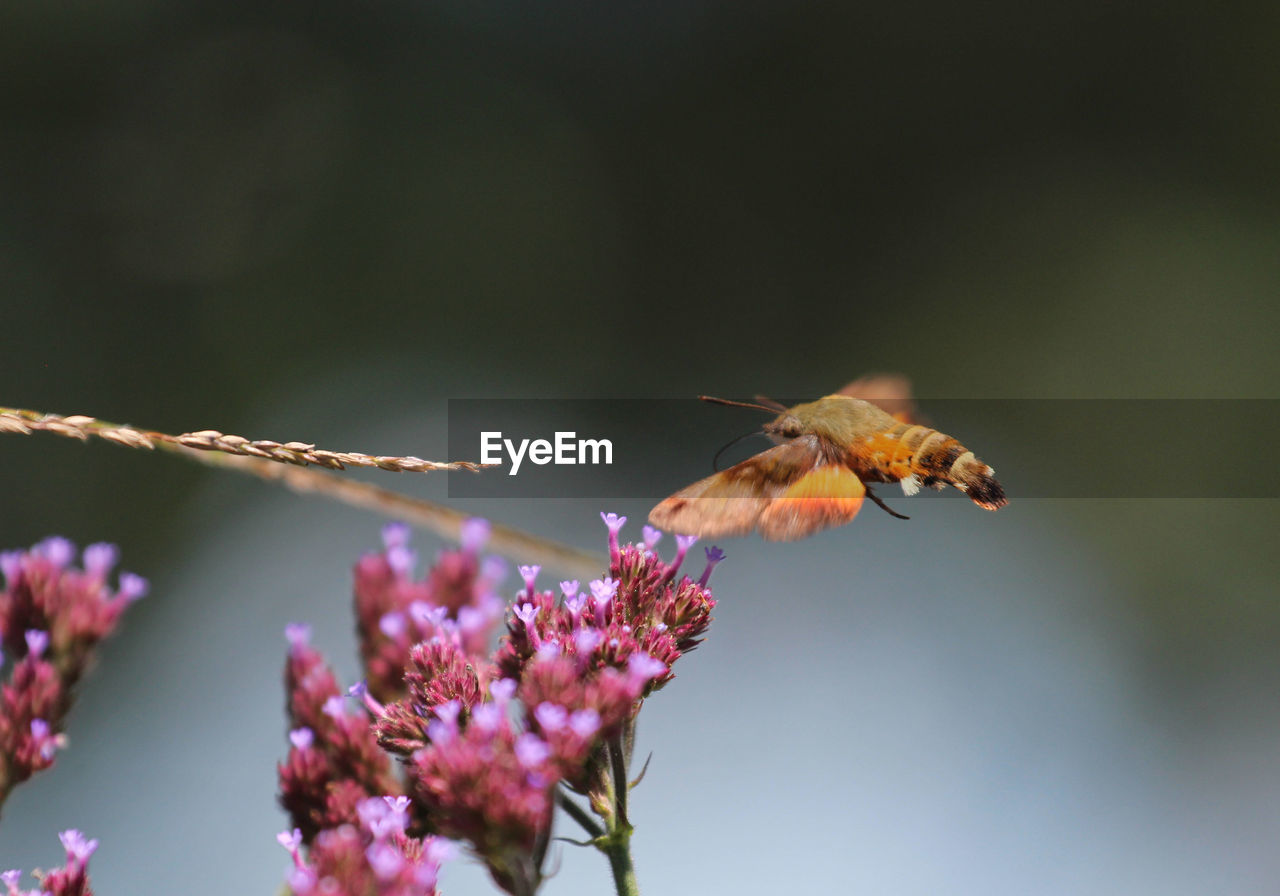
<point x="785" y="426"/>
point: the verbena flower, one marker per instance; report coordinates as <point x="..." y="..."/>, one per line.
<point x="72" y="879"/>
<point x="52" y="616"/>
<point x="372" y="857"/>
<point x="394" y="610"/>
<point x="334" y="763"/>
<point x="486" y="740"/>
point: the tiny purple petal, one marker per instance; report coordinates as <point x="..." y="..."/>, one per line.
<point x="503" y="689"/>
<point x="37" y="642"/>
<point x="472" y="619"/>
<point x="384" y="860"/>
<point x="569" y="589"/>
<point x="585" y="723"/>
<point x="683" y="543"/>
<point x="392" y="624"/>
<point x="586" y="640"/>
<point x="57" y="550"/>
<point x="493" y="569"/>
<point x="395" y="535"/>
<point x="526" y="613"/>
<point x="449" y="712"/>
<point x="575" y="605"/>
<point x="298" y="634"/>
<point x="424" y="614"/>
<point x="11" y="566"/>
<point x="290" y="840"/>
<point x="714" y="556"/>
<point x="613" y="522"/>
<point x="550" y="716"/>
<point x="548" y="650"/>
<point x="301" y="879"/>
<point x="604" y="589"/>
<point x="487" y="716"/>
<point x="39" y="729"/>
<point x="78" y="848"/>
<point x="438" y="850"/>
<point x="132" y="586"/>
<point x="335" y="707"/>
<point x="642" y="668"/>
<point x="361" y="689"/>
<point x="651" y="537"/>
<point x="10" y="878"/>
<point x="474" y="535"/>
<point x="402" y="560"/>
<point x="100" y="558"/>
<point x="439" y="732"/>
<point x="531" y="751"/>
<point x="302" y="738"/>
<point x="398" y="804"/>
<point x="530" y="575"/>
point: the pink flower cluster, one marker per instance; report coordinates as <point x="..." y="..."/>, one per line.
<point x="334" y="764"/>
<point x="72" y="879"/>
<point x="457" y="600"/>
<point x="486" y="738"/>
<point x="374" y="857"/>
<point x="52" y="615"/>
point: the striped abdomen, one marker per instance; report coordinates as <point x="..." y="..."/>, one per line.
<point x="917" y="455"/>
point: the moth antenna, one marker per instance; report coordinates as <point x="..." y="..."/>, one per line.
<point x="740" y="404"/>
<point x="715" y="461"/>
<point x="883" y="506"/>
<point x="771" y="403"/>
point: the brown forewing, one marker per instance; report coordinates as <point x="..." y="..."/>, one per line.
<point x="787" y="492"/>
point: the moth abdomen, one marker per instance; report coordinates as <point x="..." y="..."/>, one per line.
<point x="940" y="457"/>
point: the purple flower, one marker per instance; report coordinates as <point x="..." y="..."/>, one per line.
<point x="395" y="535"/>
<point x="503" y="690"/>
<point x="301" y="738"/>
<point x="392" y="624"/>
<point x="530" y="575"/>
<point x="651" y="537"/>
<point x="531" y="750"/>
<point x="642" y="668"/>
<point x="100" y="558"/>
<point x="714" y="556"/>
<point x="298" y="634"/>
<point x="474" y="535"/>
<point x="550" y="716"/>
<point x="37" y="642"/>
<point x="57" y="550"/>
<point x="614" y="523"/>
<point x="78" y="848"/>
<point x="585" y="723"/>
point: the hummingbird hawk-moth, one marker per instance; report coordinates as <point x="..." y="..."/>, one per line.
<point x="817" y="476"/>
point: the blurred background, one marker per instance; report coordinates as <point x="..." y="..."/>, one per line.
<point x="320" y="221"/>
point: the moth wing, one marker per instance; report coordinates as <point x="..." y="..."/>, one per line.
<point x="732" y="501"/>
<point x="890" y="392"/>
<point x="829" y="495"/>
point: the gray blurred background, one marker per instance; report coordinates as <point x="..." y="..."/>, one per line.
<point x="319" y="221"/>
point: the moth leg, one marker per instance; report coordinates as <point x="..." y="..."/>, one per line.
<point x="883" y="506"/>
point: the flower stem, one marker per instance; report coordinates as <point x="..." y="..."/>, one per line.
<point x="578" y="814"/>
<point x="617" y="846"/>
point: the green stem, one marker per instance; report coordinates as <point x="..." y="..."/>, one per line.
<point x="618" y="772"/>
<point x="579" y="814"/>
<point x="617" y="846"/>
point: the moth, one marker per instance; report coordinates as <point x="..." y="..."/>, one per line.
<point x="817" y="475"/>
